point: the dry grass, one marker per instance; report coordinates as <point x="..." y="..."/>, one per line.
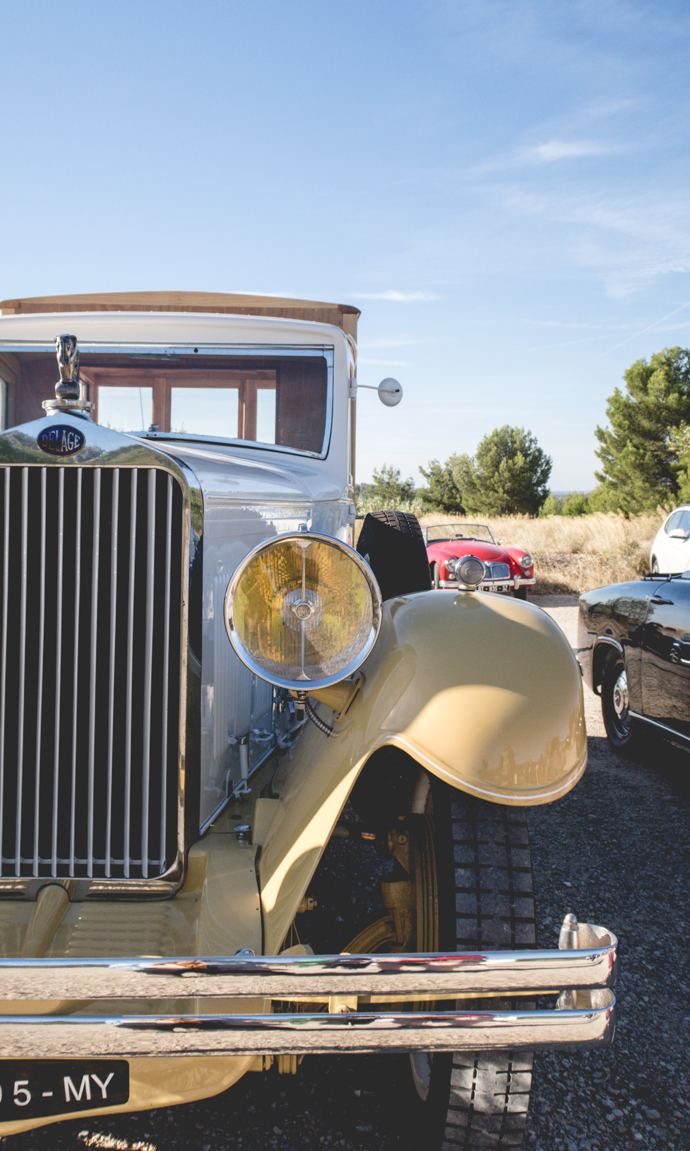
<point x="575" y="553"/>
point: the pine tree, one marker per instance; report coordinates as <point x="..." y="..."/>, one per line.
<point x="388" y="490"/>
<point x="442" y="493"/>
<point x="640" y="467"/>
<point x="509" y="474"/>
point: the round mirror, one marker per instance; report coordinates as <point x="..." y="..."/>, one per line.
<point x="390" y="392"/>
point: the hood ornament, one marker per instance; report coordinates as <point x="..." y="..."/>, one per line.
<point x="68" y="388"/>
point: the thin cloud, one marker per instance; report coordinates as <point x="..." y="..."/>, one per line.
<point x="563" y="150"/>
<point x="537" y="154"/>
<point x="398" y="297"/>
<point x="573" y="324"/>
<point x="612" y="107"/>
<point x="649" y="328"/>
<point x="627" y="240"/>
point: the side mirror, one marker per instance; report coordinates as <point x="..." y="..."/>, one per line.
<point x="390" y="392"/>
<point x="675" y="533"/>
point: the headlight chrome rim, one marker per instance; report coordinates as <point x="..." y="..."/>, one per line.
<point x="526" y="561"/>
<point x="302" y="539"/>
<point x="471" y="585"/>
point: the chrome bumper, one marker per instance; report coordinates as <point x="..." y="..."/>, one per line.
<point x="488" y="584"/>
<point x="340" y="985"/>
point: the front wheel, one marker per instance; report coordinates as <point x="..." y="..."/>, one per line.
<point x="520" y="592"/>
<point x="467" y="1100"/>
<point x="615" y="704"/>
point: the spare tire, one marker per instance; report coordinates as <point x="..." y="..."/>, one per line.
<point x="393" y="545"/>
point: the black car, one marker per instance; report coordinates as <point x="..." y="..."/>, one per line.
<point x="634" y="641"/>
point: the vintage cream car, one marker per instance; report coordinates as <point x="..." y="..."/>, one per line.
<point x="203" y="693"/>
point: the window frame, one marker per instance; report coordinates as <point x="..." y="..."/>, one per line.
<point x="143" y="355"/>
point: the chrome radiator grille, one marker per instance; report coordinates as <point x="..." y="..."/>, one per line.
<point x="498" y="571"/>
<point x="90" y="592"/>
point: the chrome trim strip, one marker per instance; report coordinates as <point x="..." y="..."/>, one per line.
<point x="148" y="670"/>
<point x="144" y="351"/>
<point x="183" y="438"/>
<point x="356" y="1032"/>
<point x="75" y="678"/>
<point x="515" y="580"/>
<point x="608" y="639"/>
<point x="58" y="661"/>
<point x="93" y="639"/>
<point x="670" y="731"/>
<point x="111" y="664"/>
<point x="130" y="666"/>
<point x="39" y="669"/>
<point x="22" y="667"/>
<point x="3" y="654"/>
<point x="297" y="977"/>
<point x="166" y="657"/>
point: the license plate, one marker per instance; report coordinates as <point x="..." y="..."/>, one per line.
<point x="495" y="587"/>
<point x="33" y="1088"/>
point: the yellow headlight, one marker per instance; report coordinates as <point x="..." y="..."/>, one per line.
<point x="303" y="611"/>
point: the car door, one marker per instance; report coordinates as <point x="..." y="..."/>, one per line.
<point x="666" y="654"/>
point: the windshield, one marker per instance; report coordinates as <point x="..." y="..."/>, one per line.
<point x="272" y="400"/>
<point x="458" y="532"/>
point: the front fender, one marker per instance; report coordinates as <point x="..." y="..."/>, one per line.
<point x="482" y="690"/>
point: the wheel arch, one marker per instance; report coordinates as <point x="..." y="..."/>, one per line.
<point x="604" y="648"/>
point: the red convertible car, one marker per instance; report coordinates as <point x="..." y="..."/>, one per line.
<point x="507" y="569"/>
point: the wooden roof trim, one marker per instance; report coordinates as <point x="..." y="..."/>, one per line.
<point x="343" y="315"/>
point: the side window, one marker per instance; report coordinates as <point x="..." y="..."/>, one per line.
<point x="684" y="522"/>
<point x="673" y="522"/>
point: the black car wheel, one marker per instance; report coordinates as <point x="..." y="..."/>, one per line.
<point x="520" y="592"/>
<point x="460" y="881"/>
<point x="615" y="704"/>
<point x="471" y="1099"/>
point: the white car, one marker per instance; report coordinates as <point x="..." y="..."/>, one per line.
<point x="671" y="548"/>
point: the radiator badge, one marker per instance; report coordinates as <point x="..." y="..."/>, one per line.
<point x="61" y="440"/>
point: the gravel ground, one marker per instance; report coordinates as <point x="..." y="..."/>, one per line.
<point x="616" y="852"/>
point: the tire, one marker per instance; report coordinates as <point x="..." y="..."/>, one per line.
<point x="468" y="1100"/>
<point x="435" y="577"/>
<point x="620" y="728"/>
<point x="520" y="592"/>
<point x="393" y="545"/>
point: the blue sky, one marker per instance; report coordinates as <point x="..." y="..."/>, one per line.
<point x="501" y="186"/>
